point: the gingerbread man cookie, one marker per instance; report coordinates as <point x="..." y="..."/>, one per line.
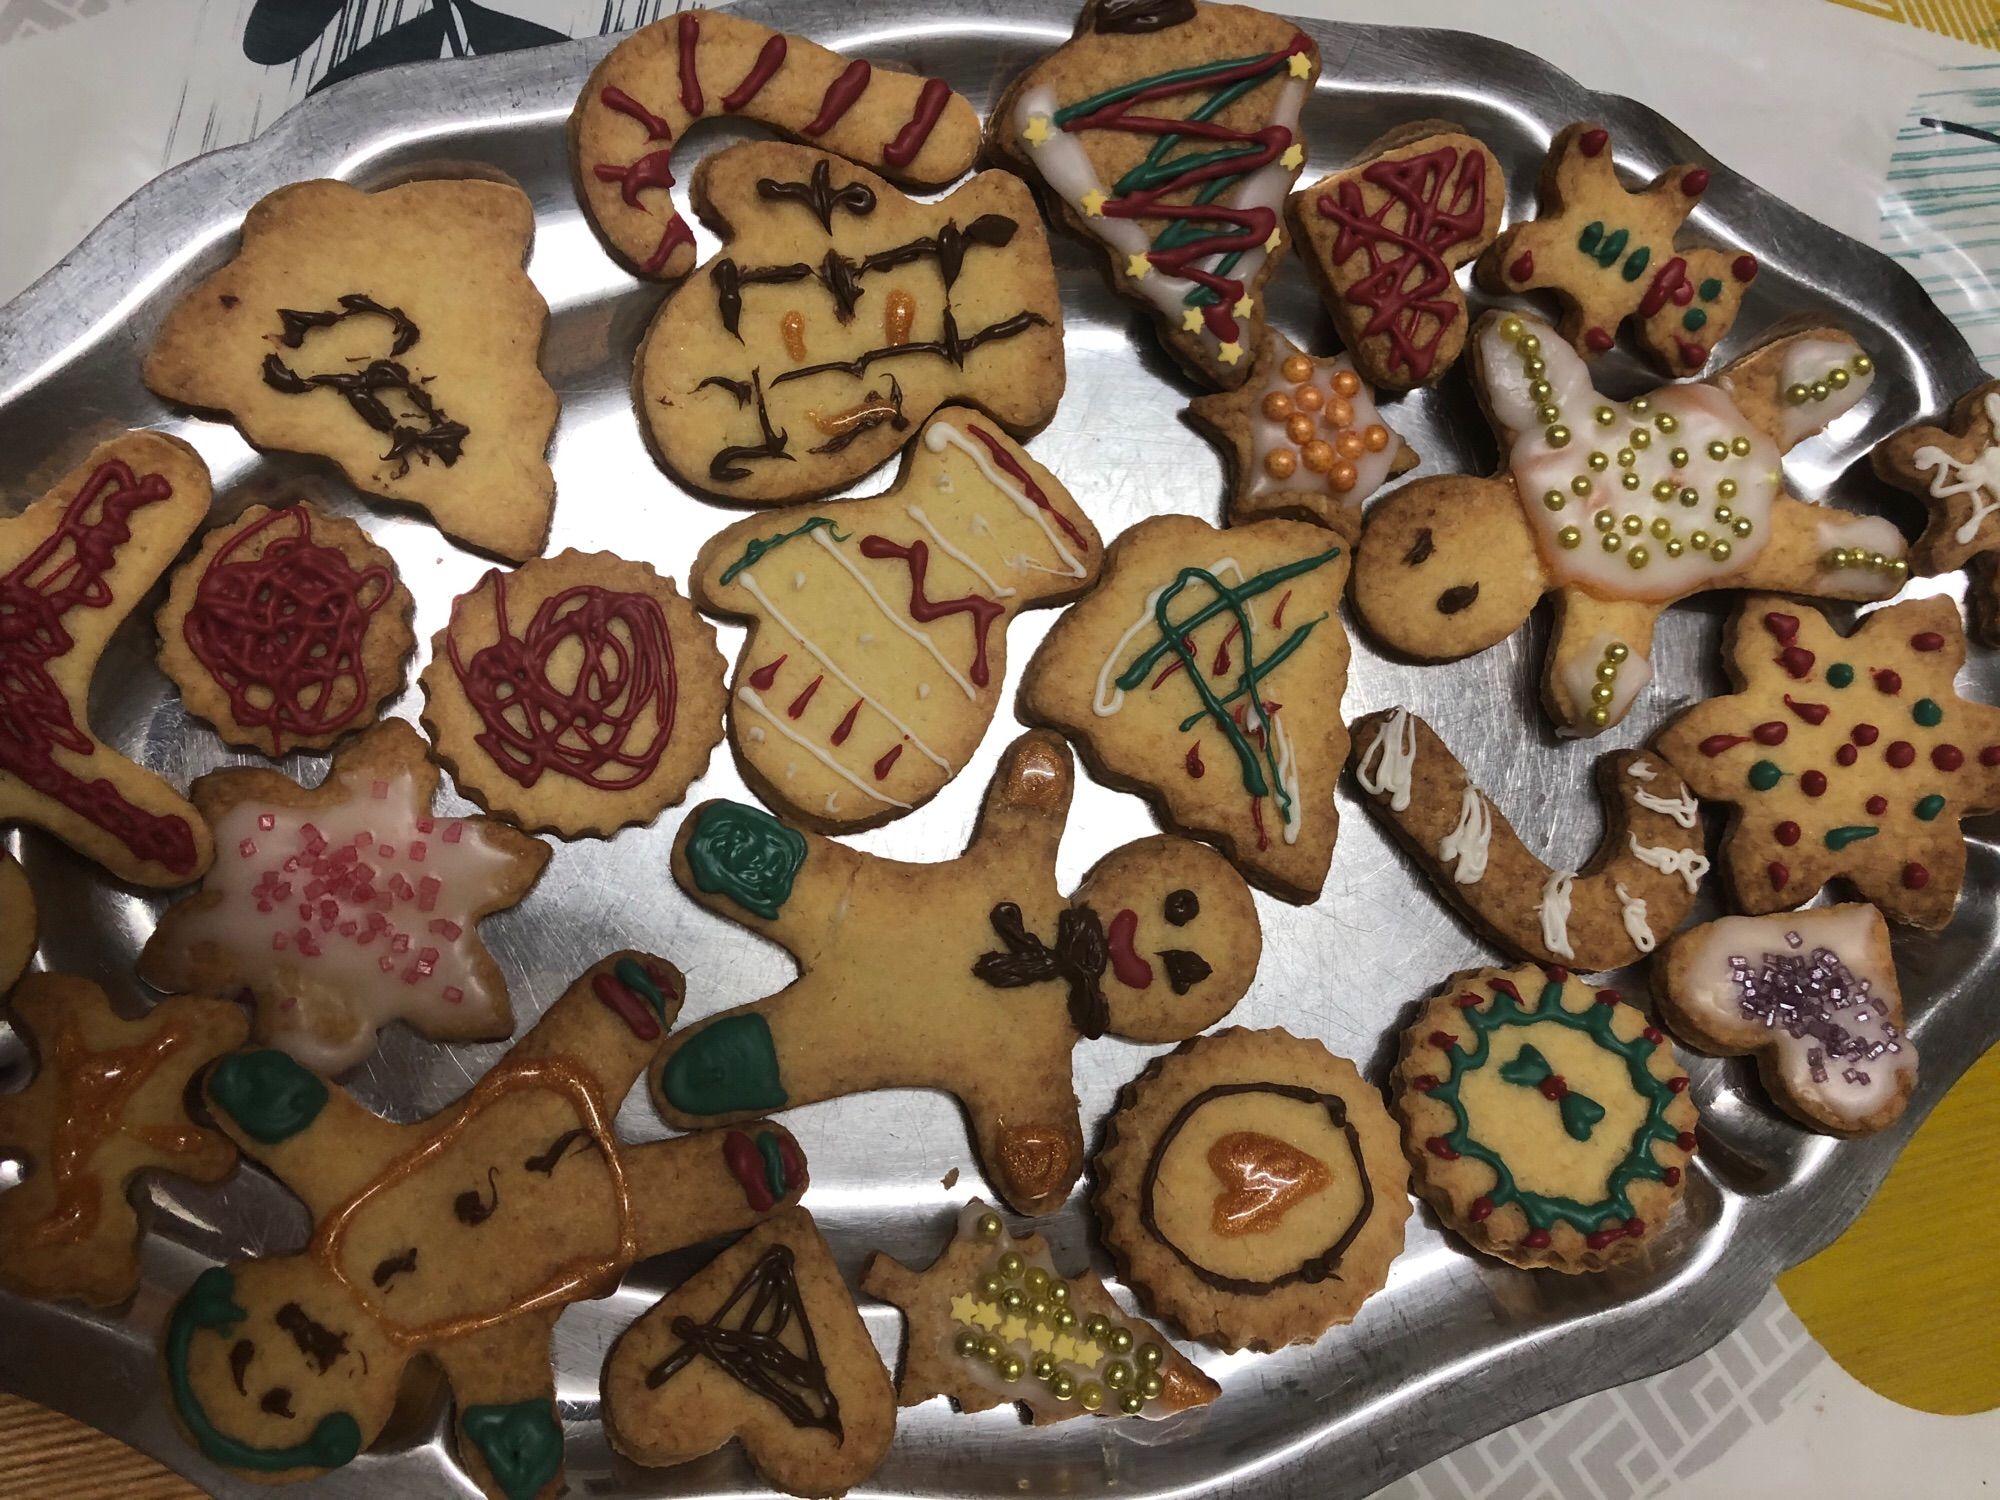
<point x="992" y="1320"/>
<point x="1620" y="508"/>
<point x="461" y="1237"/>
<point x="878" y="636"/>
<point x="1955" y="470"/>
<point x="1608" y="254"/>
<point x="575" y="695"/>
<point x="1384" y="239"/>
<point x="106" y="1105"/>
<point x="341" y="908"/>
<point x="987" y="995"/>
<point x="287" y="629"/>
<point x="17" y="922"/>
<point x="1207" y="668"/>
<point x="395" y="333"/>
<point x="1849" y="756"/>
<point x="704" y="64"/>
<point x="72" y="565"/>
<point x="839" y="315"/>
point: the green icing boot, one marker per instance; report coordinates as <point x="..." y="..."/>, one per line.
<point x="726" y="1067"/>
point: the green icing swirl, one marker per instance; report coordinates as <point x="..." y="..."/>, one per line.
<point x="745" y="854"/>
<point x="269" y="1094"/>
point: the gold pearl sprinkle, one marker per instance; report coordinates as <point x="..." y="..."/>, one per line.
<point x="1838" y="379"/>
<point x="1531" y="343"/>
<point x="1740" y="446"/>
<point x="1724" y="514"/>
<point x="1627" y="458"/>
<point x="1819" y="390"/>
<point x="1540" y="391"/>
<point x="1601" y="692"/>
<point x="1599" y="461"/>
<point x="1554" y="500"/>
<point x="1699" y="541"/>
<point x="1511" y="329"/>
<point x="1629" y="480"/>
<point x="1607" y="671"/>
<point x="1675" y="546"/>
<point x="1604" y="520"/>
<point x="1569" y="536"/>
<point x="1633" y="525"/>
<point x="1668" y="423"/>
<point x="1611" y="541"/>
<point x="1548" y="412"/>
<point x="1678" y="457"/>
<point x="1535" y="368"/>
<point x="1718" y="450"/>
<point x="1720" y="551"/>
<point x="1663" y="490"/>
<point x="1741" y="526"/>
<point x="1641" y="438"/>
<point x="1690" y="497"/>
<point x="1797" y="393"/>
<point x="1599" y="717"/>
<point x="1618" y="651"/>
<point x="1558" y="436"/>
<point x="1580" y="485"/>
<point x="1605" y="416"/>
<point x="1862" y="364"/>
<point x="1639" y="406"/>
<point x="1662" y="527"/>
<point x="1637" y="557"/>
<point x="1725" y="489"/>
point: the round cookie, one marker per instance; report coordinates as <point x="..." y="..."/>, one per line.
<point x="287" y="629"/>
<point x="1547" y="1123"/>
<point x="575" y="695"/>
<point x="1249" y="1189"/>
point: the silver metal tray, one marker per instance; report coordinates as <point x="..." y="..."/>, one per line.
<point x="1457" y="1345"/>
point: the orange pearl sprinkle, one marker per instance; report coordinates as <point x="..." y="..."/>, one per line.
<point x="1346" y="382"/>
<point x="1339" y="413"/>
<point x="1281" y="463"/>
<point x="1299" y="428"/>
<point x="1309" y="398"/>
<point x="1317" y="456"/>
<point x="1376" y="437"/>
<point x="1277" y="406"/>
<point x="1297" y="368"/>
<point x="1341" y="476"/>
<point x="1349" y="445"/>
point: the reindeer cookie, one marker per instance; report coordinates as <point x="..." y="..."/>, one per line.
<point x="1620" y="508"/>
<point x="461" y="1237"/>
<point x="1955" y="470"/>
<point x="976" y="976"/>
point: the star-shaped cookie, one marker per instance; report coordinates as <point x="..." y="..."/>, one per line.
<point x="1955" y="471"/>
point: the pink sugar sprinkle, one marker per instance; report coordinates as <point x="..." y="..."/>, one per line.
<point x="376" y="921"/>
<point x="385" y="964"/>
<point x="278" y="941"/>
<point x="453" y="994"/>
<point x="291" y="864"/>
<point x="247" y="848"/>
<point x="386" y="851"/>
<point x="305" y="910"/>
<point x="447" y="929"/>
<point x="427" y="892"/>
<point x="349" y="928"/>
<point x="309" y="834"/>
<point x="400" y="944"/>
<point x="347" y="855"/>
<point x="425" y="825"/>
<point x="410" y="975"/>
<point x="380" y="791"/>
<point x="453" y="832"/>
<point x="282" y="890"/>
<point x="329" y="907"/>
<point x="266" y="822"/>
<point x="263" y="906"/>
<point x="418" y="850"/>
<point x="427" y="962"/>
<point x="315" y="889"/>
<point x="326" y="924"/>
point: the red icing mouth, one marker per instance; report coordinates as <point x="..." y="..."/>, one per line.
<point x="1132" y="970"/>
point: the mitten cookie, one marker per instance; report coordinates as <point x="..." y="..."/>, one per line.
<point x="1207" y="668"/>
<point x="1167" y="132"/>
<point x="1547" y="1123"/>
<point x="765" y="1346"/>
<point x="574" y="695"/>
<point x="1608" y="254"/>
<point x="17" y="922"/>
<point x="1619" y="508"/>
<point x="106" y="1105"/>
<point x="395" y="333"/>
<point x="840" y="315"/>
<point x="1955" y="470"/>
<point x="1638" y="886"/>
<point x="287" y="629"/>
<point x="72" y="566"/>
<point x="461" y="1237"/>
<point x="985" y="996"/>
<point x="1849" y="756"/>
<point x="1303" y="438"/>
<point x="702" y="64"/>
<point x="1813" y="995"/>
<point x="843" y="727"/>
<point x="1384" y="239"/>
<point x="992" y="1320"/>
<point x="344" y="907"/>
<point x="1250" y="1188"/>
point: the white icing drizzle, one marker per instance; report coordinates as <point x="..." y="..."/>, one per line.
<point x="1467" y="843"/>
<point x="1109" y="697"/>
<point x="1980" y="478"/>
<point x="1394" y="751"/>
<point x="1640" y="771"/>
<point x="750" y="696"/>
<point x="889" y="612"/>
<point x="1555" y="913"/>
<point x="1809" y="360"/>
<point x="992" y="585"/>
<point x="1689" y="864"/>
<point x="1288" y="777"/>
<point x="1633" y="911"/>
<point x="940" y="435"/>
<point x="1683" y="809"/>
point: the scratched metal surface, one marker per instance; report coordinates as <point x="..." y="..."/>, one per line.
<point x="1457" y="1345"/>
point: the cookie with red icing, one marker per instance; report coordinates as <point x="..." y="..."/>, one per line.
<point x="287" y="629"/>
<point x="17" y="921"/>
<point x="576" y="694"/>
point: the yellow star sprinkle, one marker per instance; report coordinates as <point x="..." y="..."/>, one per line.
<point x="1088" y="1354"/>
<point x="1014" y="1330"/>
<point x="1277" y="238"/>
<point x="1230" y="352"/>
<point x="1294" y="157"/>
<point x="1037" y="130"/>
<point x="1093" y="204"/>
<point x="1064" y="1347"/>
<point x="1300" y="64"/>
<point x="961" y="1309"/>
<point x="986" y="1316"/>
<point x="1136" y="266"/>
<point x="1039" y="1339"/>
<point x="1191" y="320"/>
<point x="1244" y="307"/>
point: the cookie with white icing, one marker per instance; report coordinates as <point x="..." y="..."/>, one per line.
<point x="1955" y="471"/>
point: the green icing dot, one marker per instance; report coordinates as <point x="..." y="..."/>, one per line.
<point x="1839" y="838"/>
<point x="1635" y="263"/>
<point x="1926" y="712"/>
<point x="272" y="1097"/>
<point x="1765" y="775"/>
<point x="1930" y="807"/>
<point x="1592" y="236"/>
<point x="726" y="1066"/>
<point x="745" y="854"/>
<point x="1840" y="674"/>
<point x="1694" y="318"/>
<point x="522" y="1444"/>
<point x="1710" y="289"/>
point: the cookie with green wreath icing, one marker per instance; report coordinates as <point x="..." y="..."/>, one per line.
<point x="1547" y="1122"/>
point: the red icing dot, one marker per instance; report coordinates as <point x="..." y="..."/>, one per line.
<point x="1812" y="713"/>
<point x="1744" y="267"/>
<point x="1685" y="1140"/>
<point x="1797" y="661"/>
<point x="1780" y="873"/>
<point x="1887" y="680"/>
<point x="1784" y="627"/>
<point x="1864" y="734"/>
<point x="1423" y="1083"/>
<point x="1652" y="1034"/>
<point x="1877" y="806"/>
<point x="1607" y="997"/>
<point x="1927" y="640"/>
<point x="1523" y="267"/>
<point x="1678" y="1085"/>
<point x="1557" y="974"/>
<point x="1467" y="1002"/>
<point x="1772" y="732"/>
<point x="1671" y="1177"/>
<point x="1537" y="1240"/>
<point x="1481" y="1209"/>
<point x="1847" y="755"/>
<point x="1947" y="757"/>
<point x="1591" y="142"/>
<point x="1900" y="753"/>
<point x="1444" y="1041"/>
<point x="1915" y="876"/>
<point x="1598" y="340"/>
<point x="1990" y="756"/>
<point x="1786" y="833"/>
<point x="1695" y="183"/>
<point x="1441" y="1148"/>
<point x="1715" y="744"/>
<point x="1813" y="783"/>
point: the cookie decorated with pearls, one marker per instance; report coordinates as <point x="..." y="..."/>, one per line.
<point x="1250" y="1189"/>
<point x="1955" y="471"/>
<point x="1547" y="1122"/>
<point x="992" y="1321"/>
<point x="1849" y="757"/>
<point x="1812" y="995"/>
<point x="1619" y="508"/>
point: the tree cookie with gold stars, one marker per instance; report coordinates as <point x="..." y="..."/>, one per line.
<point x="992" y="1321"/>
<point x="106" y="1105"/>
<point x="17" y="921"/>
<point x="1547" y="1122"/>
<point x="1189" y="219"/>
<point x="1250" y="1188"/>
<point x="1843" y="756"/>
<point x="1955" y="471"/>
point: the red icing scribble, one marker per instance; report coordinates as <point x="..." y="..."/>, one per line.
<point x="1006" y="464"/>
<point x="839" y="97"/>
<point x="910" y="139"/>
<point x="617" y="99"/>
<point x="1715" y="744"/>
<point x="1132" y="970"/>
<point x="923" y="609"/>
<point x="689" y="37"/>
<point x="770" y="58"/>
<point x="888" y="760"/>
<point x="1193" y="763"/>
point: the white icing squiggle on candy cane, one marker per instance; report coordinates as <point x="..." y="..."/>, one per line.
<point x="1689" y="864"/>
<point x="1109" y="697"/>
<point x="1467" y="843"/>
<point x="1683" y="809"/>
<point x="1555" y="913"/>
<point x="941" y="435"/>
<point x="1633" y="910"/>
<point x="1980" y="479"/>
<point x="1394" y="751"/>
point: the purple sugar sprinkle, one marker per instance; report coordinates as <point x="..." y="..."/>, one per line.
<point x="1816" y="995"/>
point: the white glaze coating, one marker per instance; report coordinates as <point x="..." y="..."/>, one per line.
<point x="1394" y="751"/>
<point x="1555" y="913"/>
<point x="1466" y="845"/>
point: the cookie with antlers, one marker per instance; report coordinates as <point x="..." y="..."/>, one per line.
<point x="1619" y="508"/>
<point x="1955" y="471"/>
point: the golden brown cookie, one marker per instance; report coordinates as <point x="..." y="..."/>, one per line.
<point x="17" y="922"/>
<point x="575" y="695"/>
<point x="763" y="1346"/>
<point x="287" y="629"/>
<point x="1250" y="1188"/>
<point x="1955" y="471"/>
<point x="106" y="1105"/>
<point x="395" y="333"/>
<point x="1546" y="1122"/>
<point x="340" y="908"/>
<point x="992" y="1320"/>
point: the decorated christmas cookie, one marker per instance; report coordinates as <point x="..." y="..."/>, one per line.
<point x="344" y="907"/>
<point x="765" y="1346"/>
<point x="1956" y="471"/>
<point x="995" y="975"/>
<point x="878" y="635"/>
<point x="461" y="1237"/>
<point x="395" y="333"/>
<point x="1813" y="995"/>
<point x="1608" y="254"/>
<point x="992" y="1321"/>
<point x="575" y="695"/>
<point x="1166" y="132"/>
<point x="1546" y="1122"/>
<point x="1207" y="669"/>
<point x="840" y="315"/>
<point x="72" y="565"/>
<point x="1620" y="508"/>
<point x="1251" y="1189"/>
<point x="1384" y="239"/>
<point x="704" y="64"/>
<point x="17" y="922"/>
<point x="1303" y="437"/>
<point x="287" y="629"/>
<point x="1637" y="887"/>
<point x="106" y="1105"/>
<point x="1849" y="756"/>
